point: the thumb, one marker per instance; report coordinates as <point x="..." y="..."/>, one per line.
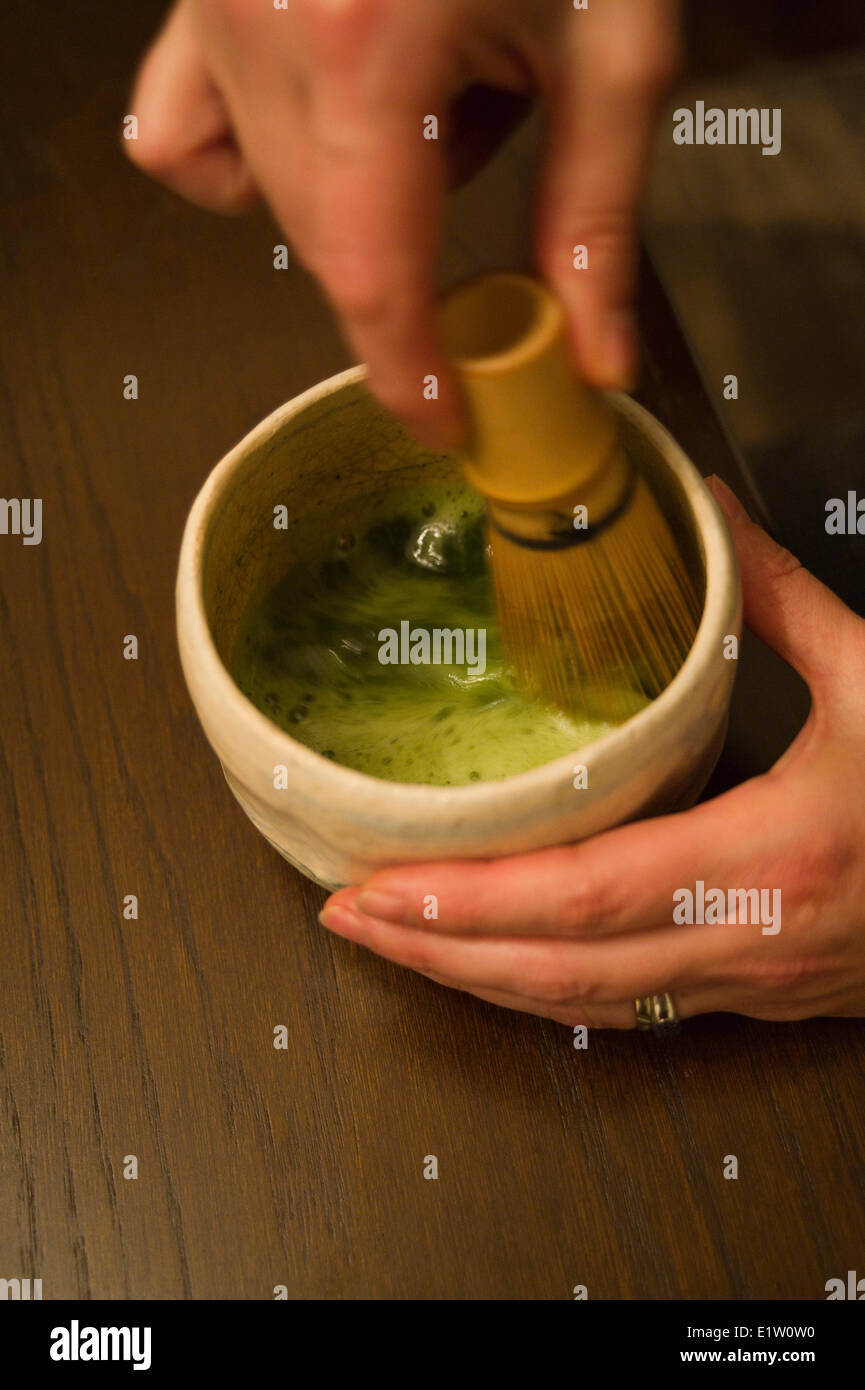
<point x="784" y="604"/>
<point x="185" y="138"/>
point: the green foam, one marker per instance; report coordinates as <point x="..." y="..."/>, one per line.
<point x="308" y="654"/>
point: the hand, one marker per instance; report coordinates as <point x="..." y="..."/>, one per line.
<point x="577" y="934"/>
<point x="321" y="108"/>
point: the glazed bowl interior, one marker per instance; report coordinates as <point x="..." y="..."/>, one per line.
<point x="333" y="467"/>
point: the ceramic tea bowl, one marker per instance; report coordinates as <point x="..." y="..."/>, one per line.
<point x="331" y="456"/>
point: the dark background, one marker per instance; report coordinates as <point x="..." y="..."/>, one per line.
<point x="154" y="1037"/>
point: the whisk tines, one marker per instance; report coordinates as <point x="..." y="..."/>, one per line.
<point x="598" y="628"/>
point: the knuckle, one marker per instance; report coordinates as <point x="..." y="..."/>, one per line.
<point x="781" y="977"/>
<point x="609" y="233"/>
<point x="589" y="991"/>
<point x="591" y="900"/>
<point x="551" y="986"/>
<point x="642" y="70"/>
<point x="546" y="987"/>
<point x="336" y="28"/>
<point x="782" y="564"/>
<point x="811" y="875"/>
<point x="155" y="152"/>
<point x="606" y="230"/>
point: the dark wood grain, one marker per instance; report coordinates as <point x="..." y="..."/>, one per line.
<point x="154" y="1037"/>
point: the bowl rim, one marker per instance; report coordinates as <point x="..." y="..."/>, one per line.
<point x="337" y="782"/>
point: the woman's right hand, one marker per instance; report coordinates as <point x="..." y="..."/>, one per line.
<point x="321" y="107"/>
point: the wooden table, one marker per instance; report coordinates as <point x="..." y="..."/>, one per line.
<point x="153" y="1037"/>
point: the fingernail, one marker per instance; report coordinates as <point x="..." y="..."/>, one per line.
<point x="384" y="906"/>
<point x="726" y="499"/>
<point x="339" y="919"/>
<point x="618" y="351"/>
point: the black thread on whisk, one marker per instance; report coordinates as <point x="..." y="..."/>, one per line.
<point x="563" y="540"/>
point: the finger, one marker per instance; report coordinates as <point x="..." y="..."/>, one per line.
<point x="555" y="971"/>
<point x="377" y="198"/>
<point x="185" y="136"/>
<point x="618" y="881"/>
<point x="622" y="1017"/>
<point x="619" y="62"/>
<point x="788" y="608"/>
<point x="689" y="1004"/>
<point x="374" y="213"/>
<point x="710" y="998"/>
<point x="619" y="1016"/>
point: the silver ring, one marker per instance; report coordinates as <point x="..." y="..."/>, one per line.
<point x="657" y="1012"/>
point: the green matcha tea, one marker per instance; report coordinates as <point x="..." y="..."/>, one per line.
<point x="386" y="656"/>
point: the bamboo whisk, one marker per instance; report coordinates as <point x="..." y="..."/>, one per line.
<point x="596" y="606"/>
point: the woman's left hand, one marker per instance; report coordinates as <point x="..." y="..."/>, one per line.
<point x="578" y="933"/>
